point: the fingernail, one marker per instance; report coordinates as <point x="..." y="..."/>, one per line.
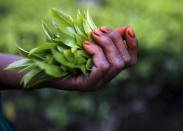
<point x="131" y="32"/>
<point x="104" y="29"/>
<point x="87" y="42"/>
<point x="98" y="32"/>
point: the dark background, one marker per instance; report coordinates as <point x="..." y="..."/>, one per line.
<point x="148" y="96"/>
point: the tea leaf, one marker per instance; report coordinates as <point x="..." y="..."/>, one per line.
<point x="67" y="42"/>
<point x="79" y="59"/>
<point x="39" y="79"/>
<point x="51" y="70"/>
<point x="59" y="57"/>
<point x="83" y="69"/>
<point x="61" y="17"/>
<point x="22" y="52"/>
<point x="19" y="64"/>
<point x="86" y="27"/>
<point x="29" y="76"/>
<point x="42" y="47"/>
<point x="90" y="21"/>
<point x="78" y="40"/>
<point x="48" y="32"/>
<point x="69" y="55"/>
<point x="79" y="20"/>
<point x="89" y="64"/>
<point x="29" y="67"/>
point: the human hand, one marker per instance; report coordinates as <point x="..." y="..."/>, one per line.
<point x="115" y="50"/>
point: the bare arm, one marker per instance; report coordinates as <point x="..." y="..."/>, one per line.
<point x="9" y="79"/>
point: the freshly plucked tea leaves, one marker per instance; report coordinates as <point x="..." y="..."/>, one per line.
<point x="90" y="21"/>
<point x="29" y="76"/>
<point x="48" y="32"/>
<point x="51" y="70"/>
<point x="42" y="47"/>
<point x="22" y="52"/>
<point x="62" y="18"/>
<point x="19" y="64"/>
<point x="62" y="55"/>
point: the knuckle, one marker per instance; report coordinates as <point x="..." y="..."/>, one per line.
<point x="98" y="48"/>
<point x="115" y="35"/>
<point x="105" y="39"/>
<point x="119" y="65"/>
<point x="127" y="59"/>
<point x="104" y="67"/>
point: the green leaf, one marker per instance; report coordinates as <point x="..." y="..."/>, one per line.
<point x="90" y="21"/>
<point x="66" y="33"/>
<point x="50" y="59"/>
<point x="66" y="42"/>
<point x="79" y="20"/>
<point x="42" y="47"/>
<point x="22" y="52"/>
<point x="86" y="27"/>
<point x="89" y="64"/>
<point x="79" y="59"/>
<point x="62" y="48"/>
<point x="83" y="53"/>
<point x="25" y="53"/>
<point x="83" y="69"/>
<point x="71" y="30"/>
<point x="51" y="70"/>
<point x="78" y="40"/>
<point x="29" y="67"/>
<point x="79" y="31"/>
<point x="59" y="57"/>
<point x="63" y="68"/>
<point x="61" y="17"/>
<point x="69" y="55"/>
<point x="29" y="76"/>
<point x="74" y="49"/>
<point x="50" y="35"/>
<point x="39" y="79"/>
<point x="19" y="64"/>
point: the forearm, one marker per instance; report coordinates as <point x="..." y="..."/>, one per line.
<point x="9" y="79"/>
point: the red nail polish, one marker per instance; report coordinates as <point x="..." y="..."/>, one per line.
<point x="98" y="32"/>
<point x="87" y="42"/>
<point x="131" y="32"/>
<point x="104" y="29"/>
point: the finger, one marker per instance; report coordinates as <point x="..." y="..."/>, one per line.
<point x="132" y="44"/>
<point x="109" y="48"/>
<point x="118" y="42"/>
<point x="122" y="30"/>
<point x="112" y="55"/>
<point x="101" y="64"/>
<point x="99" y="58"/>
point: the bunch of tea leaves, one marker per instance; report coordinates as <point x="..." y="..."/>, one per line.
<point x="62" y="55"/>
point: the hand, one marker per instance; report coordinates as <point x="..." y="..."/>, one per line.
<point x="115" y="50"/>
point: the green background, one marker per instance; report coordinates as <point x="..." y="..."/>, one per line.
<point x="145" y="97"/>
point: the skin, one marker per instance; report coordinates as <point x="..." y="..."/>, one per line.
<point x="115" y="51"/>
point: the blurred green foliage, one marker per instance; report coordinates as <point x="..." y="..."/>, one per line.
<point x="158" y="26"/>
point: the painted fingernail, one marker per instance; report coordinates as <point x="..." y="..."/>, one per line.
<point x="98" y="32"/>
<point x="87" y="42"/>
<point x="104" y="29"/>
<point x="131" y="32"/>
